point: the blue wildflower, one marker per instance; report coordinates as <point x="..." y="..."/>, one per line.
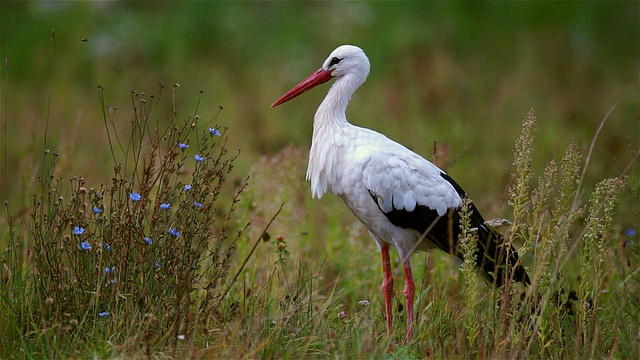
<point x="85" y="246"/>
<point x="183" y="146"/>
<point x="214" y="131"/>
<point x="187" y="187"/>
<point x="165" y="206"/>
<point x="78" y="230"/>
<point x="198" y="158"/>
<point x="97" y="210"/>
<point x="110" y="270"/>
<point x="174" y="232"/>
<point x="148" y="240"/>
<point x="631" y="232"/>
<point x="197" y="204"/>
<point x="134" y="196"/>
<point x="157" y="263"/>
<point x="104" y="313"/>
<point x="106" y="246"/>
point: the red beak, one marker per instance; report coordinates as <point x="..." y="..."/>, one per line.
<point x="316" y="78"/>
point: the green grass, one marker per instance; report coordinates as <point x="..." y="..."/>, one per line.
<point x="306" y="283"/>
<point x="302" y="280"/>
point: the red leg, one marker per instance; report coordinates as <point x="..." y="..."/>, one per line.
<point x="387" y="285"/>
<point x="409" y="290"/>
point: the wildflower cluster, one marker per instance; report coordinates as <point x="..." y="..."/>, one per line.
<point x="143" y="235"/>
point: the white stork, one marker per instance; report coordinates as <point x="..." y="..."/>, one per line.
<point x="402" y="199"/>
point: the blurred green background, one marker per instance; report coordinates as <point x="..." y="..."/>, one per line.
<point x="463" y="74"/>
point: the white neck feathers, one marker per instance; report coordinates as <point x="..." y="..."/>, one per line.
<point x="325" y="167"/>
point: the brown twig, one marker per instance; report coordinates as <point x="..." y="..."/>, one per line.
<point x="246" y="260"/>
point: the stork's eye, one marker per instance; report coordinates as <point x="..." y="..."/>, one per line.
<point x="334" y="61"/>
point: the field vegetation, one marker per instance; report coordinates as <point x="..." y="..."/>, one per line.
<point x="155" y="206"/>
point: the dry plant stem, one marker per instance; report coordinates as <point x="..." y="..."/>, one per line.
<point x="588" y="158"/>
<point x="103" y="107"/>
<point x="575" y="244"/>
<point x="244" y="263"/>
<point x="50" y="92"/>
<point x="633" y="161"/>
<point x="5" y="105"/>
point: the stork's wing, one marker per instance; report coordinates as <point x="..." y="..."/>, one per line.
<point x="406" y="181"/>
<point x="415" y="194"/>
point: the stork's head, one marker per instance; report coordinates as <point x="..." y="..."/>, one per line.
<point x="345" y="61"/>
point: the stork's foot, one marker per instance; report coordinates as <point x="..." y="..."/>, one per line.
<point x="389" y="346"/>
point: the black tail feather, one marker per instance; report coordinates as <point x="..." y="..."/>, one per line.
<point x="497" y="258"/>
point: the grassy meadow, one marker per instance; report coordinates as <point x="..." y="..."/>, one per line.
<point x="155" y="206"/>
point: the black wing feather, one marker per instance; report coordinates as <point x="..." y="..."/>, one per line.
<point x="492" y="246"/>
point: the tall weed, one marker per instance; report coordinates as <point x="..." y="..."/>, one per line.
<point x="142" y="259"/>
